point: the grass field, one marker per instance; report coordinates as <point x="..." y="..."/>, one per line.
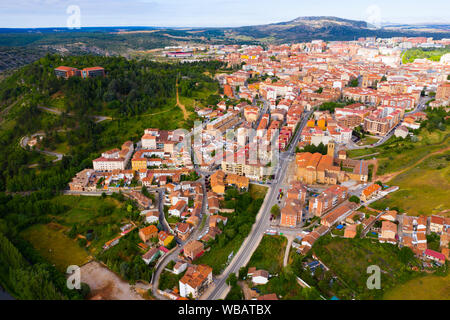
<point x="269" y="254"/>
<point x="426" y="288"/>
<point x="397" y="154"/>
<point x="367" y="141"/>
<point x="257" y="191"/>
<point x="51" y="242"/>
<point x="349" y="259"/>
<point x="102" y="216"/>
<point x="423" y="189"/>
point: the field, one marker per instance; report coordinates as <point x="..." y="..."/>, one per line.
<point x="257" y="191"/>
<point x="269" y="254"/>
<point x="102" y="216"/>
<point x="50" y="241"/>
<point x="367" y="141"/>
<point x="397" y="154"/>
<point x="423" y="189"/>
<point x="426" y="288"/>
<point x="349" y="259"/>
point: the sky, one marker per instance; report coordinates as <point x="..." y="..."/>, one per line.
<point x="211" y="13"/>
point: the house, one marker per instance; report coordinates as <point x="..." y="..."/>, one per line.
<point x="214" y="220"/>
<point x="260" y="277"/>
<point x="217" y="182"/>
<point x="437" y="224"/>
<point x="151" y="255"/>
<point x="111" y="243"/>
<point x="195" y="281"/>
<point x="164" y="238"/>
<point x="151" y="216"/>
<point x="390" y="215"/>
<point x="370" y="192"/>
<point x="193" y="249"/>
<point x="434" y="255"/>
<point x="183" y="230"/>
<point x="388" y="232"/>
<point x="141" y="200"/>
<point x="350" y="231"/>
<point x="148" y="233"/>
<point x="179" y="267"/>
<point x="178" y="208"/>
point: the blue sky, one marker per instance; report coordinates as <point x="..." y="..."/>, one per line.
<point x="213" y="13"/>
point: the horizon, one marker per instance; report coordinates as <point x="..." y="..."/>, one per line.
<point x="34" y="14"/>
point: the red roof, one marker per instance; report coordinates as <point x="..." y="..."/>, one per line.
<point x="434" y="254"/>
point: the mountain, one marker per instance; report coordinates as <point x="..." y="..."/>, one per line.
<point x="329" y="28"/>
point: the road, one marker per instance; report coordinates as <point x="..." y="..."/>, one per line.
<point x="219" y="288"/>
<point x="98" y="119"/>
<point x="24" y="142"/>
<point x="162" y="263"/>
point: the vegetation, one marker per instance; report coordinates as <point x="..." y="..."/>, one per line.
<point x="269" y="254"/>
<point x="330" y="106"/>
<point x="423" y="188"/>
<point x="349" y="259"/>
<point x="321" y="148"/>
<point x="424" y="53"/>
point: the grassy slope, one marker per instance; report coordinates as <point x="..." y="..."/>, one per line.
<point x="396" y="154"/>
<point x="56" y="247"/>
<point x="269" y="254"/>
<point x="349" y="259"/>
<point x="427" y="288"/>
<point x="423" y="189"/>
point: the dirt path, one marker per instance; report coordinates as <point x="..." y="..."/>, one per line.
<point x="182" y="106"/>
<point x="288" y="247"/>
<point x="390" y="176"/>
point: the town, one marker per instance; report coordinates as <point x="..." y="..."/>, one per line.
<point x="286" y="123"/>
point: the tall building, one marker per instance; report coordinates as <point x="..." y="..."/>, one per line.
<point x="331" y="147"/>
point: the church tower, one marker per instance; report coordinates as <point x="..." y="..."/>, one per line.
<point x="331" y="146"/>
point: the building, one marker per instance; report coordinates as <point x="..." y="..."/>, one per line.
<point x="148" y="233"/>
<point x="350" y="231"/>
<point x="388" y="232"/>
<point x="217" y="182"/>
<point x="164" y="238"/>
<point x="67" y="72"/>
<point x="93" y="72"/>
<point x="195" y="281"/>
<point x="114" y="159"/>
<point x="178" y="208"/>
<point x="327" y="200"/>
<point x="317" y="168"/>
<point x="151" y="255"/>
<point x="193" y="249"/>
<point x="141" y="200"/>
<point x="370" y="192"/>
<point x="434" y="255"/>
<point x="337" y="215"/>
<point x="260" y="277"/>
<point x="437" y="224"/>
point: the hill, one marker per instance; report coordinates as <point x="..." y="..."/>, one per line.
<point x="330" y="29"/>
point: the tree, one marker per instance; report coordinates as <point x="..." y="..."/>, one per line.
<point x="243" y="272"/>
<point x="275" y="210"/>
<point x="232" y="279"/>
<point x="354" y="199"/>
